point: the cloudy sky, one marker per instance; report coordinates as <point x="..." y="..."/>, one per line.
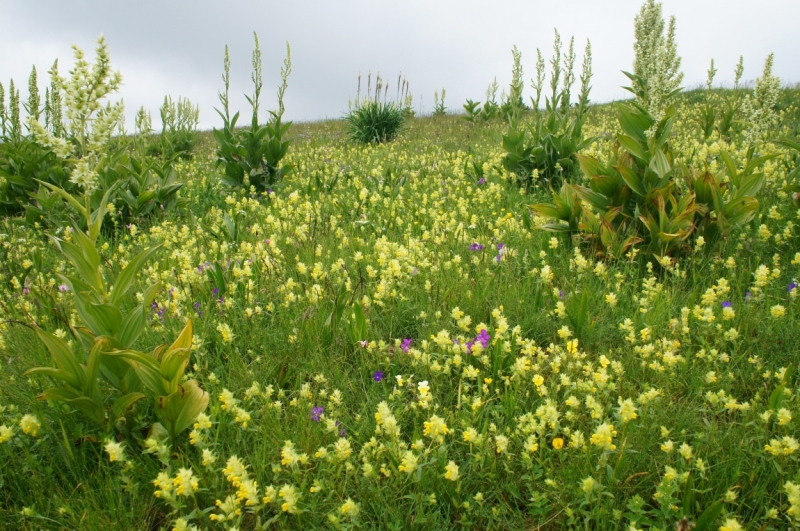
<point x="172" y="47"/>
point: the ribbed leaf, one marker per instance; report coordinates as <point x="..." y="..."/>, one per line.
<point x="127" y="275"/>
<point x="124" y="403"/>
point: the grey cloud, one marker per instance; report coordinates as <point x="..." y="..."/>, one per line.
<point x="177" y="47"/>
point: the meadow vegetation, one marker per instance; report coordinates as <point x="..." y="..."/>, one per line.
<point x="572" y="316"/>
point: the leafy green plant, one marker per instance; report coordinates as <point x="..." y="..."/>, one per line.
<point x="638" y="196"/>
<point x="252" y="156"/>
<point x="438" y="104"/>
<point x="179" y="120"/>
<point x="375" y="122"/>
<point x="373" y="119"/>
<point x="176" y="402"/>
<point x="476" y="113"/>
<point x="545" y="153"/>
<point x="150" y="184"/>
<point x="22" y="161"/>
<point x="109" y="333"/>
<point x="792" y="169"/>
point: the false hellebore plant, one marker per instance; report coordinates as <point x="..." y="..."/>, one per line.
<point x="108" y="333"/>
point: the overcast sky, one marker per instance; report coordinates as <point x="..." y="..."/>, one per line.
<point x="170" y="47"/>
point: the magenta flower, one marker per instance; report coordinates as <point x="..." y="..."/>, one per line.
<point x="405" y="345"/>
<point x="378" y="376"/>
<point x="482" y="338"/>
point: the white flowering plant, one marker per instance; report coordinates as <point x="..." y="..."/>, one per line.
<point x="543" y="154"/>
<point x="251" y="157"/>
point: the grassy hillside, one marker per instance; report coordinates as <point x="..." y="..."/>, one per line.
<point x="502" y="376"/>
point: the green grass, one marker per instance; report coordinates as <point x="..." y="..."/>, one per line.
<point x="401" y="217"/>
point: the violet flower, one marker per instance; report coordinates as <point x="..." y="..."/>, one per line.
<point x="405" y="345"/>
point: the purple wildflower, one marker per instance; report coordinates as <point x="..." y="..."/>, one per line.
<point x="747" y="296"/>
<point x="25" y="291"/>
<point x="378" y="376"/>
<point x="63" y="288"/>
<point x="482" y="338"/>
<point x="342" y="433"/>
<point x="405" y="345"/>
<point x="500" y="246"/>
<point x="476" y="247"/>
<point x="481" y="181"/>
<point x="727" y="304"/>
<point x="214" y="292"/>
<point x="792" y="286"/>
<point x="316" y="413"/>
<point x="561" y="294"/>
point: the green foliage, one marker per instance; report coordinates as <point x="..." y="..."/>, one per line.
<point x="438" y="105"/>
<point x="179" y="120"/>
<point x="80" y="158"/>
<point x="108" y="333"/>
<point x="545" y="154"/>
<point x="22" y="161"/>
<point x="638" y="193"/>
<point x="252" y="156"/>
<point x="792" y="165"/>
<point x="375" y="122"/>
<point x="476" y="113"/>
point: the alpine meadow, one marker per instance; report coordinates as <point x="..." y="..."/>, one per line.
<point x="534" y="312"/>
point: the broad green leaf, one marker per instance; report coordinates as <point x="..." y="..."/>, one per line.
<point x="107" y="316"/>
<point x="90" y="275"/>
<point x="150" y="294"/>
<point x="63" y="357"/>
<point x="659" y="164"/>
<point x="87" y="246"/>
<point x="132" y="326"/>
<point x="776" y="397"/>
<point x="93" y="368"/>
<point x="709" y="516"/>
<point x="146" y="368"/>
<point x="590" y="166"/>
<point x="731" y="166"/>
<point x="184" y="340"/>
<point x="124" y="403"/>
<point x="179" y="409"/>
<point x="634" y="148"/>
<point x="52" y="372"/>
<point x="66" y="196"/>
<point x="127" y="275"/>
<point x="548" y="210"/>
<point x="632" y="180"/>
<point x="173" y="363"/>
